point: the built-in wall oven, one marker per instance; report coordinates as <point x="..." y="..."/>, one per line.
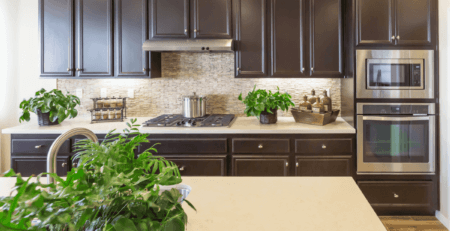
<point x="396" y="138"/>
<point x="395" y="74"/>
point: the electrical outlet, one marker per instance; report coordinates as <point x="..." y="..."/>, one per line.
<point x="131" y="93"/>
<point x="103" y="93"/>
<point x="80" y="93"/>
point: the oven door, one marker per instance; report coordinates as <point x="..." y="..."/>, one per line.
<point x="395" y="74"/>
<point x="396" y="145"/>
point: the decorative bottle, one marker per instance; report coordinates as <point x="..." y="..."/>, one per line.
<point x="326" y="102"/>
<point x="305" y="105"/>
<point x="312" y="98"/>
<point x="317" y="107"/>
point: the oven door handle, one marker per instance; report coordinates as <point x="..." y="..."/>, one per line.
<point x="385" y="118"/>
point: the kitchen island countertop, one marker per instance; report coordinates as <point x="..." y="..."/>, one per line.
<point x="242" y="125"/>
<point x="272" y="203"/>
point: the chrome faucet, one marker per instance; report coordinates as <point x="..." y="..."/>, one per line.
<point x="53" y="152"/>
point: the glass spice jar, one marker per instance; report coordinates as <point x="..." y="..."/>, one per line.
<point x="119" y="114"/>
<point x="104" y="114"/>
<point x="106" y="104"/>
<point x="113" y="103"/>
<point x="96" y="115"/>
<point x="111" y="115"/>
<point x="120" y="102"/>
<point x="99" y="104"/>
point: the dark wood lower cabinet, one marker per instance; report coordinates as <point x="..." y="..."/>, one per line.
<point x="399" y="197"/>
<point x="28" y="166"/>
<point x="200" y="165"/>
<point x="326" y="166"/>
<point x="253" y="165"/>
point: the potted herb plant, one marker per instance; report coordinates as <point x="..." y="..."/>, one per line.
<point x="264" y="104"/>
<point x="111" y="190"/>
<point x="51" y="107"/>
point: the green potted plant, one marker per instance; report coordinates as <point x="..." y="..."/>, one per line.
<point x="51" y="107"/>
<point x="264" y="104"/>
<point x="110" y="190"/>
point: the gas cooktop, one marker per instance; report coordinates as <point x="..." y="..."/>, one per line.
<point x="175" y="120"/>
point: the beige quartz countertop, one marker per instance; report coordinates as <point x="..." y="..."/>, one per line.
<point x="242" y="125"/>
<point x="272" y="203"/>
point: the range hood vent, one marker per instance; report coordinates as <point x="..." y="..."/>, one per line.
<point x="192" y="45"/>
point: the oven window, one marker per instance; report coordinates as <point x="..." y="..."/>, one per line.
<point x="394" y="75"/>
<point x="396" y="141"/>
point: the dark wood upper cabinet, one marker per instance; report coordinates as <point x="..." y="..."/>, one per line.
<point x="212" y="19"/>
<point x="250" y="38"/>
<point x="170" y="18"/>
<point x="326" y="38"/>
<point x="413" y="22"/>
<point x="94" y="28"/>
<point x="130" y="33"/>
<point x="375" y="21"/>
<point x="287" y="19"/>
<point x="56" y="38"/>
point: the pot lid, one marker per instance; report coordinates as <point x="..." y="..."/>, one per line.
<point x="195" y="96"/>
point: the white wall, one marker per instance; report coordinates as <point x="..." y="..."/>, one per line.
<point x="444" y="86"/>
<point x="19" y="59"/>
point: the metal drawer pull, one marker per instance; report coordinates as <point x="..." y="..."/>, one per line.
<point x="74" y="165"/>
<point x="393" y="37"/>
<point x="296" y="164"/>
<point x="303" y="69"/>
<point x="63" y="165"/>
<point x="395" y="195"/>
<point x="260" y="146"/>
<point x="324" y="146"/>
<point x="185" y="30"/>
<point x="38" y="146"/>
<point x="312" y="68"/>
<point x="287" y="164"/>
<point x="238" y="69"/>
<point x="145" y="69"/>
<point x="182" y="168"/>
<point x="195" y="30"/>
<point x="398" y="37"/>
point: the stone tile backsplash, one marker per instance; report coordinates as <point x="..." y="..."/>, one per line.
<point x="210" y="74"/>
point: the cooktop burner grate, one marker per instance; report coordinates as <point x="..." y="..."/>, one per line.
<point x="175" y="120"/>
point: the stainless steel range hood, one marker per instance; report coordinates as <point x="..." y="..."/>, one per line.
<point x="191" y="45"/>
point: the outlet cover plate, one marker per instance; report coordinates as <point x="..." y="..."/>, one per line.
<point x="103" y="93"/>
<point x="80" y="93"/>
<point x="131" y="93"/>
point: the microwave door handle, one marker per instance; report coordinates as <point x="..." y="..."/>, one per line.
<point x="384" y="118"/>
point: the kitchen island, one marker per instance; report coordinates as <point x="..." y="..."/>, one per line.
<point x="272" y="203"/>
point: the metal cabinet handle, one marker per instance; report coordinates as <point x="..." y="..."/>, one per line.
<point x="395" y="195"/>
<point x="63" y="165"/>
<point x="79" y="69"/>
<point x="393" y="37"/>
<point x="324" y="146"/>
<point x="69" y="69"/>
<point x="185" y="30"/>
<point x="195" y="30"/>
<point x="296" y="164"/>
<point x="238" y="69"/>
<point x="74" y="165"/>
<point x="287" y="164"/>
<point x="260" y="146"/>
<point x="182" y="168"/>
<point x="398" y="37"/>
<point x="145" y="69"/>
<point x="312" y="68"/>
<point x="38" y="146"/>
<point x="303" y="69"/>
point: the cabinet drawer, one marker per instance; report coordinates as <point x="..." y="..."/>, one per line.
<point x="323" y="166"/>
<point x="200" y="165"/>
<point x="187" y="146"/>
<point x="260" y="165"/>
<point x="261" y="146"/>
<point x="401" y="196"/>
<point x="37" y="146"/>
<point x="37" y="165"/>
<point x="323" y="146"/>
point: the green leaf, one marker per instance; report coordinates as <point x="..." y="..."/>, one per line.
<point x="125" y="224"/>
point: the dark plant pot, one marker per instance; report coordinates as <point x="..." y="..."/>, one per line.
<point x="267" y="118"/>
<point x="44" y="119"/>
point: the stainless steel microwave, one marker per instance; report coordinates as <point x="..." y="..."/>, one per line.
<point x="395" y="74"/>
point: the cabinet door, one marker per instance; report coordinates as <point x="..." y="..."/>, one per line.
<point x="94" y="38"/>
<point x="28" y="166"/>
<point x="375" y="20"/>
<point x="56" y="38"/>
<point x="413" y="22"/>
<point x="250" y="37"/>
<point x="212" y="19"/>
<point x="170" y="18"/>
<point x="287" y="38"/>
<point x="200" y="165"/>
<point x="326" y="39"/>
<point x="131" y="33"/>
<point x="323" y="166"/>
<point x="260" y="165"/>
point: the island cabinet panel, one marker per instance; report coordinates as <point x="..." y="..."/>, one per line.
<point x="187" y="146"/>
<point x="200" y="165"/>
<point x="326" y="166"/>
<point x="252" y="165"/>
<point x="94" y="40"/>
<point x="375" y="22"/>
<point x="250" y="38"/>
<point x="130" y="33"/>
<point x="170" y="18"/>
<point x="249" y="145"/>
<point x="56" y="35"/>
<point x="287" y="31"/>
<point x="36" y="146"/>
<point x="212" y="19"/>
<point x="414" y="22"/>
<point x="28" y="166"/>
<point x="326" y="38"/>
<point x="324" y="146"/>
<point x="399" y="197"/>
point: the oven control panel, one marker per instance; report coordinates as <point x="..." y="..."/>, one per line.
<point x="395" y="109"/>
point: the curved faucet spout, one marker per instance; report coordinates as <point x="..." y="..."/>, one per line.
<point x="53" y="152"/>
